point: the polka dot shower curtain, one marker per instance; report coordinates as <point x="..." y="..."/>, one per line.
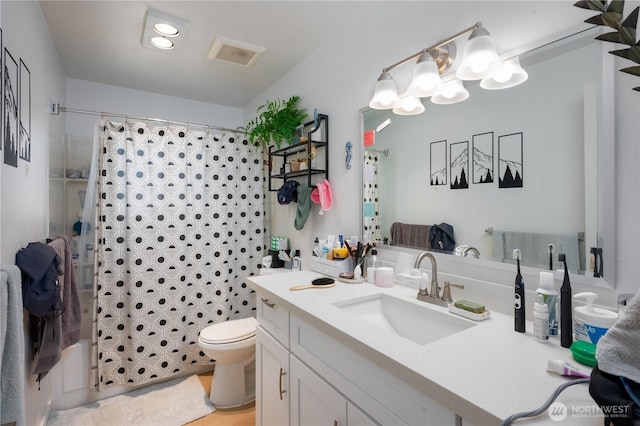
<point x="371" y="206"/>
<point x="179" y="225"/>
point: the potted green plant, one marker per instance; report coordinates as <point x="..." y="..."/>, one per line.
<point x="276" y="121"/>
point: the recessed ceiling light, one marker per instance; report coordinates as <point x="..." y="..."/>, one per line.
<point x="166" y="29"/>
<point x="163" y="32"/>
<point x="162" y="43"/>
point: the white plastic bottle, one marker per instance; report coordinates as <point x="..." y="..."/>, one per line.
<point x="373" y="264"/>
<point x="295" y="262"/>
<point x="540" y="320"/>
<point x="374" y="258"/>
<point x="550" y="296"/>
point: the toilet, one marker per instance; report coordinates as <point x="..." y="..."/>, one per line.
<point x="232" y="344"/>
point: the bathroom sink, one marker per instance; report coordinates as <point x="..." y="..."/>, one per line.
<point x="419" y="323"/>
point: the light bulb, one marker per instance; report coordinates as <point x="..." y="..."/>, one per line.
<point x="426" y="77"/>
<point x="162" y="43"/>
<point x="503" y="75"/>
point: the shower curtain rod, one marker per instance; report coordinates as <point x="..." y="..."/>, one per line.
<point x="157" y="120"/>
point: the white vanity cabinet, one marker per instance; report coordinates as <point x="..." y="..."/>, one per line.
<point x="327" y="382"/>
<point x="272" y="363"/>
<point x="315" y="402"/>
<point x="272" y="380"/>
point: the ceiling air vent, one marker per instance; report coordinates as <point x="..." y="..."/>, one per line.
<point x="236" y="52"/>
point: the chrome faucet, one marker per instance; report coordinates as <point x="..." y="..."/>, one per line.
<point x="434" y="295"/>
<point x="465" y="250"/>
<point x="423" y="295"/>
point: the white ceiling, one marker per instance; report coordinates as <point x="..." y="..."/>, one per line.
<point x="100" y="41"/>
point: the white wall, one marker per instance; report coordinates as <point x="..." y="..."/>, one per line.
<point x="24" y="195"/>
<point x="86" y="95"/>
<point x="339" y="79"/>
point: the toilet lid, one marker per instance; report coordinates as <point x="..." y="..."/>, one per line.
<point x="229" y="331"/>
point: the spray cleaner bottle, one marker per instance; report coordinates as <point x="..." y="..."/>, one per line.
<point x="566" y="321"/>
<point x="519" y="313"/>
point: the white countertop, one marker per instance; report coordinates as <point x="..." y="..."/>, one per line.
<point x="484" y="373"/>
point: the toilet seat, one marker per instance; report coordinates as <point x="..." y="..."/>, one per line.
<point x="229" y="331"/>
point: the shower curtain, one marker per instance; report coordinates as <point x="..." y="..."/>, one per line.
<point x="371" y="207"/>
<point x="179" y="225"/>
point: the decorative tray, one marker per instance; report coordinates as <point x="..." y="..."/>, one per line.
<point x="473" y="316"/>
<point x="351" y="280"/>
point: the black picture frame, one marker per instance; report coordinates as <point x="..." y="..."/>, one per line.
<point x="10" y="109"/>
<point x="1" y="91"/>
<point x="482" y="149"/>
<point x="510" y="160"/>
<point x="459" y="165"/>
<point x="438" y="162"/>
<point x="24" y="108"/>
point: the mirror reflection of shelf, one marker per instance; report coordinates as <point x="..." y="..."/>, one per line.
<point x="69" y="161"/>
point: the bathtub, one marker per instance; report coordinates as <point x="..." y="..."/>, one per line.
<point x="69" y="379"/>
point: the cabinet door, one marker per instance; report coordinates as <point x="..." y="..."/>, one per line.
<point x="313" y="401"/>
<point x="355" y="417"/>
<point x="272" y="381"/>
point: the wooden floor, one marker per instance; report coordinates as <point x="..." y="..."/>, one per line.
<point x="241" y="416"/>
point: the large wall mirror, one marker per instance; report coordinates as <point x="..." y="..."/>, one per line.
<point x="551" y="136"/>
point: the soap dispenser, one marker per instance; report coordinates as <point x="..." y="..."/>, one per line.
<point x="566" y="321"/>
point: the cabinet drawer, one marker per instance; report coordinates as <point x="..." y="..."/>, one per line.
<point x="274" y="318"/>
<point x="376" y="391"/>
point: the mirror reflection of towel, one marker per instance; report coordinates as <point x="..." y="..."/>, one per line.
<point x="410" y="235"/>
<point x="534" y="248"/>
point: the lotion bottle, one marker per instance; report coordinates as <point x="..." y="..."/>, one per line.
<point x="519" y="312"/>
<point x="550" y="296"/>
<point x="541" y="320"/>
<point x="295" y="262"/>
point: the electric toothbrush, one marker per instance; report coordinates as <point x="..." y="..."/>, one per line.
<point x="566" y="319"/>
<point x="519" y="312"/>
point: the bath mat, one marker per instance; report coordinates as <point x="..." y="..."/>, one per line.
<point x="171" y="403"/>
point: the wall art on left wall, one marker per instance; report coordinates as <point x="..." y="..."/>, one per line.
<point x="24" y="146"/>
<point x="10" y="112"/>
<point x="1" y="91"/>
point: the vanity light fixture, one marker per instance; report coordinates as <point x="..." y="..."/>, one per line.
<point x="511" y="74"/>
<point x="426" y="77"/>
<point x="480" y="62"/>
<point x="408" y="105"/>
<point x="163" y="32"/>
<point x="451" y="92"/>
<point x="480" y="58"/>
<point x="385" y="95"/>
